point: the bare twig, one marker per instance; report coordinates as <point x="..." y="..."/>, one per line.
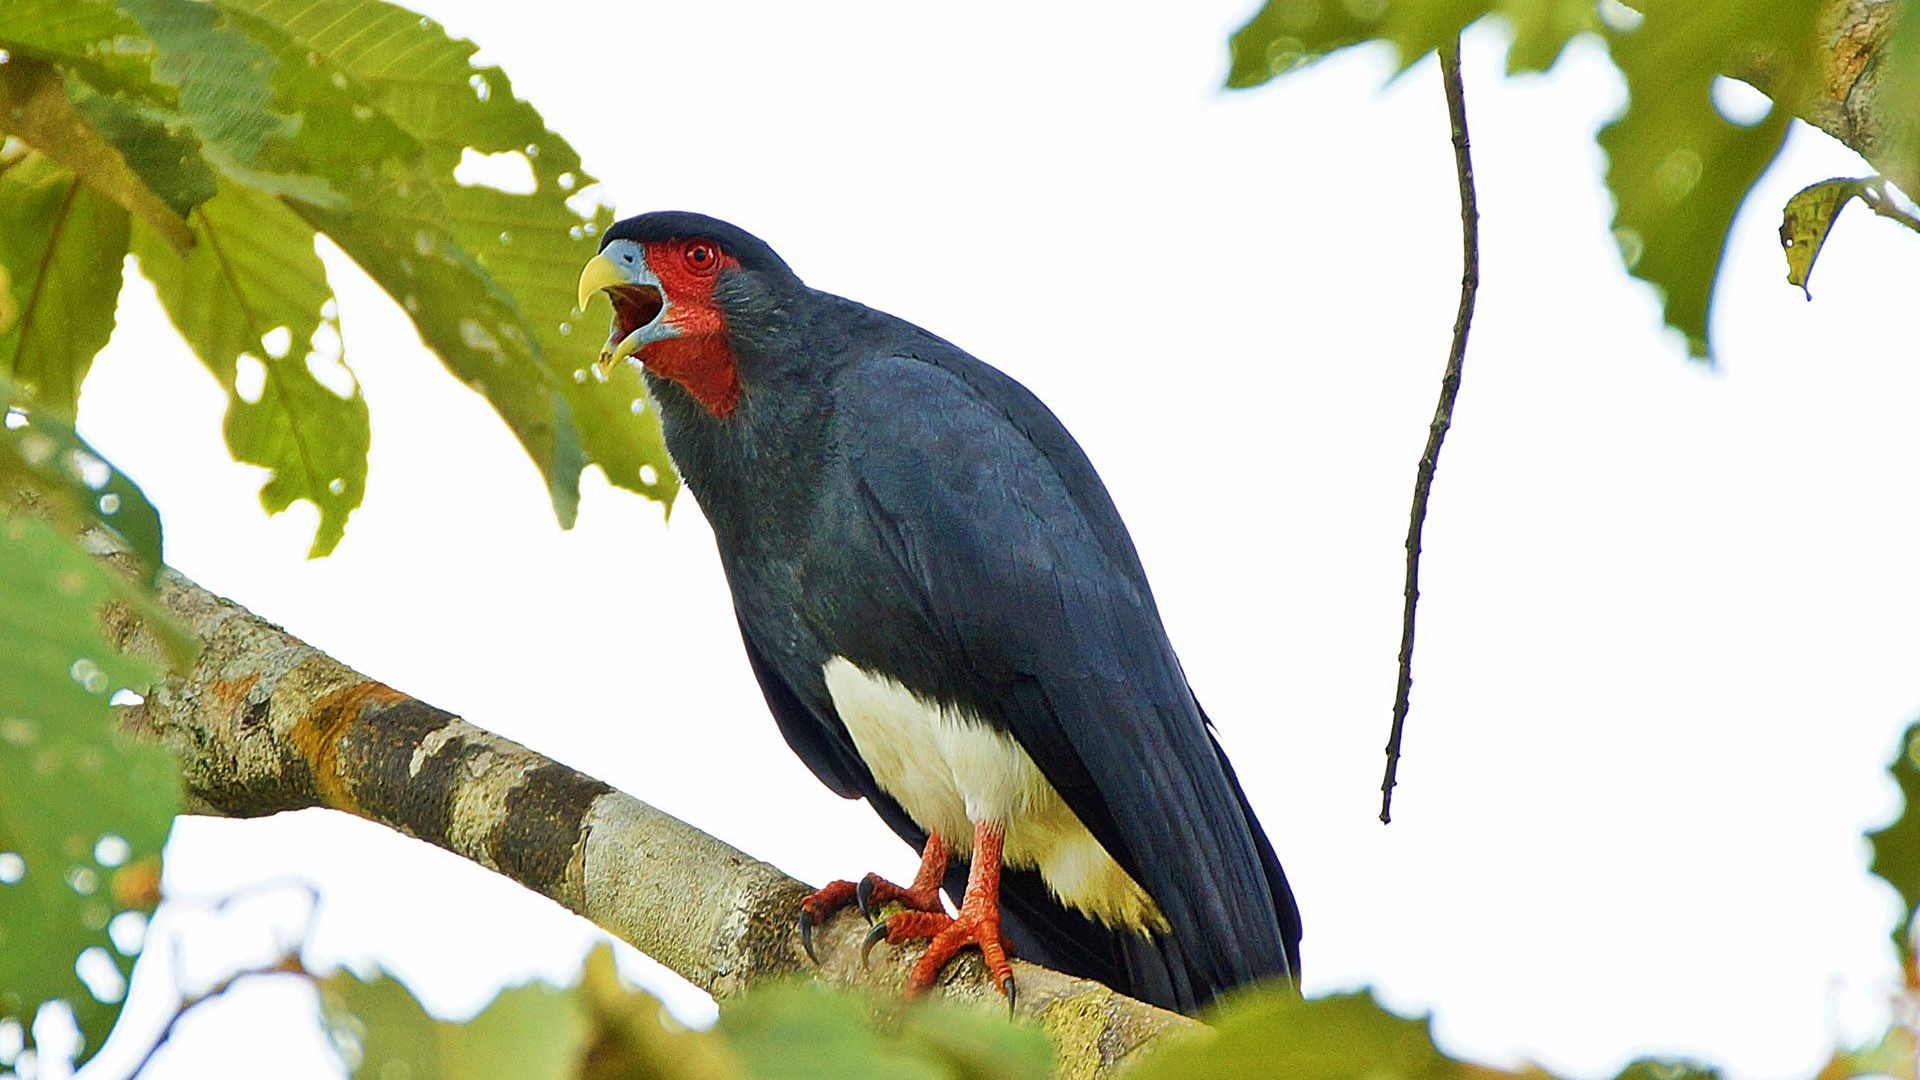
<point x="1442" y="413"/>
<point x="1874" y="194"/>
<point x="287" y="964"/>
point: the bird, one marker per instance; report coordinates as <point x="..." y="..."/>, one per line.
<point x="948" y="619"/>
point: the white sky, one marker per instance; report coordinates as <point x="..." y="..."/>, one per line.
<point x="1667" y="637"/>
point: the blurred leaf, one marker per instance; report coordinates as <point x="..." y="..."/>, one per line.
<point x="1286" y="34"/>
<point x="532" y="1032"/>
<point x="90" y="39"/>
<point x="81" y="808"/>
<point x="1661" y="1069"/>
<point x="972" y="1043"/>
<point x="1808" y="218"/>
<point x="34" y="106"/>
<point x="1678" y="169"/>
<point x="633" y="1037"/>
<point x="78" y="488"/>
<point x="62" y="246"/>
<point x="487" y="275"/>
<point x="1900" y="82"/>
<point x="600" y="1030"/>
<point x="1273" y="1032"/>
<point x="800" y="1030"/>
<point x="791" y="1030"/>
<point x="1892" y="1056"/>
<point x="165" y="155"/>
<point x="1896" y="848"/>
<point x="251" y="286"/>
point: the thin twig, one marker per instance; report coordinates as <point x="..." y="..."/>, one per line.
<point x="288" y="964"/>
<point x="1443" y="412"/>
<point x="1874" y="194"/>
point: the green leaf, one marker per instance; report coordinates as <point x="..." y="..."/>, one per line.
<point x="77" y="487"/>
<point x="1664" y="1069"/>
<point x="1273" y="1032"/>
<point x="631" y="1036"/>
<point x="1286" y="34"/>
<point x="165" y="155"/>
<point x="34" y="106"/>
<point x="224" y="78"/>
<point x="253" y="286"/>
<point x="1893" y="1055"/>
<point x="89" y="39"/>
<point x="62" y="245"/>
<point x="1896" y="848"/>
<point x="532" y="1032"/>
<point x="796" y="1030"/>
<point x="802" y="1029"/>
<point x="83" y="813"/>
<point x="1808" y="217"/>
<point x="1678" y="169"/>
<point x="1900" y="82"/>
<point x="487" y="275"/>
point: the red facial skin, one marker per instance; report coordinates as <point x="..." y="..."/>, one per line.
<point x="698" y="358"/>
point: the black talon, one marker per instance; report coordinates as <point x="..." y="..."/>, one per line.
<point x="874" y="937"/>
<point x="806" y="936"/>
<point x="863" y="898"/>
<point x="1013" y="995"/>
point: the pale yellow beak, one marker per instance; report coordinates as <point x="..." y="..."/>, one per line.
<point x="639" y="303"/>
<point x="599" y="273"/>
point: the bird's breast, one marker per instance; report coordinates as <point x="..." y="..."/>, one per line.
<point x="951" y="770"/>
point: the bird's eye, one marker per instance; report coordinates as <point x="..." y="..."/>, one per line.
<point x="701" y="257"/>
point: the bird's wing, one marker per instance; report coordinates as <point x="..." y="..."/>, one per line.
<point x="1050" y="633"/>
<point x="812" y="731"/>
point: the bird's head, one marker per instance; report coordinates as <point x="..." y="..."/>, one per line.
<point x="679" y="282"/>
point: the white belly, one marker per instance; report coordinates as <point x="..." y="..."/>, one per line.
<point x="950" y="771"/>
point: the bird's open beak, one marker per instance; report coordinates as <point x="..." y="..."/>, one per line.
<point x="639" y="303"/>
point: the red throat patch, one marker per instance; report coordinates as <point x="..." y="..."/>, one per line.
<point x="699" y="358"/>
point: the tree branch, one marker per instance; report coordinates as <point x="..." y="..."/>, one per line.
<point x="264" y="723"/>
<point x="1845" y="100"/>
<point x="1442" y="413"/>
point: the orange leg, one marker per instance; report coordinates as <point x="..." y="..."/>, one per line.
<point x="922" y="896"/>
<point x="978" y="922"/>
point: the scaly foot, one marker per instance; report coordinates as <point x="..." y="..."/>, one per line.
<point x="978" y="923"/>
<point x="873" y="890"/>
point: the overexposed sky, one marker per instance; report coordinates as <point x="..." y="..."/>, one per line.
<point x="1666" y="640"/>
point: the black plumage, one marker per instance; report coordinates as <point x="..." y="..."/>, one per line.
<point x="882" y="496"/>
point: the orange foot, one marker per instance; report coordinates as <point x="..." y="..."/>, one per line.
<point x="977" y="924"/>
<point x="873" y="890"/>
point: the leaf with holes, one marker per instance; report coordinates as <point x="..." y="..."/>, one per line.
<point x="62" y="245"/>
<point x="487" y="275"/>
<point x="1808" y="218"/>
<point x="83" y="812"/>
<point x="34" y="106"/>
<point x="251" y="298"/>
